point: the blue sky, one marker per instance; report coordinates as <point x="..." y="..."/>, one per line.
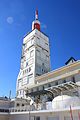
<point x="60" y="20"/>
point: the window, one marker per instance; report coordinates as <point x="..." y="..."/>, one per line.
<point x="37" y="118"/>
<point x="49" y="85"/>
<point x="30" y="77"/>
<point x="31" y="53"/>
<point x="42" y="64"/>
<point x="22" y="104"/>
<point x="31" y="90"/>
<point x="28" y="43"/>
<point x="26" y="64"/>
<point x="27" y="80"/>
<point x="56" y="83"/>
<point x="38" y="37"/>
<point x="17" y="104"/>
<point x="37" y="74"/>
<point x="29" y="69"/>
<point x="30" y="61"/>
<point x="43" y="87"/>
<point x="42" y="48"/>
<point x="24" y="80"/>
<point x="32" y="40"/>
<point x="25" y="71"/>
<point x="64" y="81"/>
<point x="73" y="79"/>
<point x="28" y="56"/>
<point x="19" y="84"/>
<point x="20" y="92"/>
<point x="46" y="43"/>
<point x="17" y="93"/>
<point x="42" y="70"/>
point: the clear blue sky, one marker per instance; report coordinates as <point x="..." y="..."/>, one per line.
<point x="60" y="20"/>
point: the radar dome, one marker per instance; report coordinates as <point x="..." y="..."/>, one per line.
<point x="65" y="101"/>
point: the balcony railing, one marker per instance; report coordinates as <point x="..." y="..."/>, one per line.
<point x="4" y="110"/>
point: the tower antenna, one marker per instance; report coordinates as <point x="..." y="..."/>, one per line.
<point x="36" y="14"/>
<point x="10" y="94"/>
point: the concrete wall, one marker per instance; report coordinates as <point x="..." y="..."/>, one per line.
<point x="19" y="117"/>
<point x="64" y="115"/>
<point x="4" y="117"/>
<point x="45" y="115"/>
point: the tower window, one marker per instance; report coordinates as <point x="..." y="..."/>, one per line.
<point x="42" y="70"/>
<point x="26" y="63"/>
<point x="31" y="53"/>
<point x="17" y="105"/>
<point x="46" y="43"/>
<point x="38" y="37"/>
<point x="43" y="64"/>
<point x="27" y="80"/>
<point x="29" y="69"/>
<point x="25" y="71"/>
<point x="17" y="93"/>
<point x="64" y="81"/>
<point x="31" y="90"/>
<point x="22" y="104"/>
<point x="73" y="79"/>
<point x="56" y="83"/>
<point x="43" y="87"/>
<point x="49" y="85"/>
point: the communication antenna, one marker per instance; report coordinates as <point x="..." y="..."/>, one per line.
<point x="10" y="94"/>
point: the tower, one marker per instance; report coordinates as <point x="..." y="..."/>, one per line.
<point x="35" y="59"/>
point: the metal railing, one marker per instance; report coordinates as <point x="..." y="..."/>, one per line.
<point x="4" y="110"/>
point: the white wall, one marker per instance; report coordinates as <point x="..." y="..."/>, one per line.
<point x="46" y="115"/>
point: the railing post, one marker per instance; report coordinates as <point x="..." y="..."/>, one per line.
<point x="29" y="114"/>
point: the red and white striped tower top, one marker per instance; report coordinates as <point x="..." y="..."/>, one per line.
<point x="36" y="23"/>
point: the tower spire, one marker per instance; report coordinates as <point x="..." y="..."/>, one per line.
<point x="36" y="23"/>
<point x="36" y="14"/>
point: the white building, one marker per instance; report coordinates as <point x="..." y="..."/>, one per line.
<point x="35" y="59"/>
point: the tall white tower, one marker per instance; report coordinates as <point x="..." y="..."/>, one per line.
<point x="35" y="59"/>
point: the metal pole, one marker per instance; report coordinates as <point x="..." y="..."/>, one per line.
<point x="29" y="114"/>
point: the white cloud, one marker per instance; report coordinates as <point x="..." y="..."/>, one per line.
<point x="10" y="20"/>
